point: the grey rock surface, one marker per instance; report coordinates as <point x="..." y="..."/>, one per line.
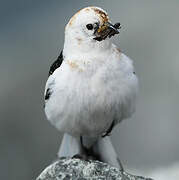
<point x="72" y="169"/>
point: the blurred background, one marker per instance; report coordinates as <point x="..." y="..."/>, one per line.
<point x="31" y="37"/>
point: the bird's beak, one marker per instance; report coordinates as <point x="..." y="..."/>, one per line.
<point x="106" y="30"/>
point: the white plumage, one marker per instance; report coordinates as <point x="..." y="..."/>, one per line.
<point x="94" y="86"/>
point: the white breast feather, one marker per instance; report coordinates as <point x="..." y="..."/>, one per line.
<point x="88" y="95"/>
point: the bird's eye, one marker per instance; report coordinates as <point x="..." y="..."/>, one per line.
<point x="89" y="26"/>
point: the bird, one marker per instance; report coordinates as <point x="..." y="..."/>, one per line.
<point x="91" y="87"/>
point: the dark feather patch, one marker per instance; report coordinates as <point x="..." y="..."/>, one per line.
<point x="56" y="64"/>
<point x="48" y="94"/>
<point x="108" y="132"/>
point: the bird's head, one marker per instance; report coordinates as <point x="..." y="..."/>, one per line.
<point x="88" y="27"/>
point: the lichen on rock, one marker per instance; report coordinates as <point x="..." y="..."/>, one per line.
<point x="76" y="169"/>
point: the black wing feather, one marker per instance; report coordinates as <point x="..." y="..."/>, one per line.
<point x="53" y="67"/>
<point x="107" y="133"/>
<point x="56" y="64"/>
<point x="48" y="94"/>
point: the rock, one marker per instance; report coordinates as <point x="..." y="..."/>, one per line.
<point x="72" y="169"/>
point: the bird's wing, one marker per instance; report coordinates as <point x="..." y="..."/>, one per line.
<point x="50" y="81"/>
<point x="56" y="64"/>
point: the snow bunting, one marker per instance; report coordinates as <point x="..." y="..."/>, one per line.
<point x="91" y="87"/>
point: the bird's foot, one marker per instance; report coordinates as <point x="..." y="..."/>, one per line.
<point x="120" y="164"/>
<point x="80" y="156"/>
<point x="84" y="157"/>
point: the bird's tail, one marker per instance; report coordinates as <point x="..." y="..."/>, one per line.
<point x="104" y="148"/>
<point x="70" y="146"/>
